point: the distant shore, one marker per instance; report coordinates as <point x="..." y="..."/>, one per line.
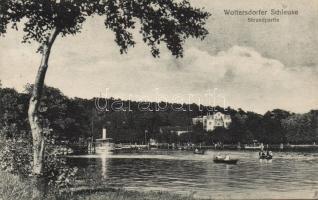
<point x="135" y="148"/>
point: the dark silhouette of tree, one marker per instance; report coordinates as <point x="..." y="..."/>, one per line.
<point x="168" y="21"/>
<point x="301" y="128"/>
<point x="12" y="113"/>
<point x="70" y="119"/>
<point x="272" y="123"/>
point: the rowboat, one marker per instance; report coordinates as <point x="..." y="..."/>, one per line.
<point x="267" y="157"/>
<point x="197" y="151"/>
<point x="226" y="161"/>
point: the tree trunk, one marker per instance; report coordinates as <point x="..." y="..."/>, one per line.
<point x="40" y="185"/>
<point x="33" y="112"/>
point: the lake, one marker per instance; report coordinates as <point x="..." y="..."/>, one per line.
<point x="288" y="175"/>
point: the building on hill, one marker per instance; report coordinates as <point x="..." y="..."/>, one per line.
<point x="197" y="120"/>
<point x="210" y="122"/>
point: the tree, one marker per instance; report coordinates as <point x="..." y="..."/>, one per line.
<point x="165" y="21"/>
<point x="12" y="116"/>
<point x="301" y="128"/>
<point x="273" y="129"/>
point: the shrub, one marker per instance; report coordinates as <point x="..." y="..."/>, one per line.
<point x="59" y="174"/>
<point x="16" y="156"/>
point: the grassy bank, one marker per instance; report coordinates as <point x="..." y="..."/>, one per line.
<point x="14" y="188"/>
<point x="132" y="195"/>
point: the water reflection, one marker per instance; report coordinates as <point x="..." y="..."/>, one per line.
<point x="289" y="175"/>
<point x="104" y="167"/>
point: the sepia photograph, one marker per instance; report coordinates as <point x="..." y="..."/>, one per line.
<point x="158" y="99"/>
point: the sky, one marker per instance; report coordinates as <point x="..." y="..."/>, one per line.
<point x="253" y="66"/>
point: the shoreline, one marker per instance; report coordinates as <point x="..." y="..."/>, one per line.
<point x="235" y="147"/>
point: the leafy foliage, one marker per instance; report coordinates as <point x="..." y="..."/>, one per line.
<point x="15" y="156"/>
<point x="58" y="173"/>
<point x="168" y="21"/>
<point x="71" y="119"/>
<point x="13" y="113"/>
<point x="301" y="128"/>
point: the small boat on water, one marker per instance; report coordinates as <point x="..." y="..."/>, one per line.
<point x="226" y="160"/>
<point x="268" y="155"/>
<point x="199" y="151"/>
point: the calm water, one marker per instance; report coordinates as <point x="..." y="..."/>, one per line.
<point x="288" y="175"/>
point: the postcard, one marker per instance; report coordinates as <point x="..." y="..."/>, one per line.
<point x="158" y="99"/>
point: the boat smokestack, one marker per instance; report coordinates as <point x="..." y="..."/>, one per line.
<point x="104" y="133"/>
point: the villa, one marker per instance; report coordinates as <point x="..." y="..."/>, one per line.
<point x="210" y="122"/>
